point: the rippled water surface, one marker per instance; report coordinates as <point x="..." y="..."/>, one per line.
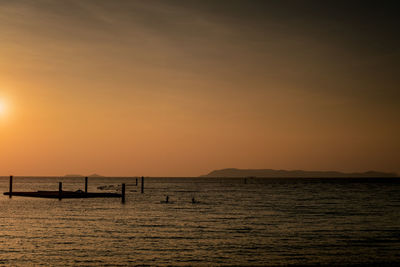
<point x="263" y="222"/>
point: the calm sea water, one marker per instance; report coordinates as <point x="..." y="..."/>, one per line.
<point x="263" y="222"/>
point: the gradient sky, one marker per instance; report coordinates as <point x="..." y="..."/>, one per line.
<point x="179" y="88"/>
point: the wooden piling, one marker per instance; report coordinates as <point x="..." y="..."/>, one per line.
<point x="86" y="183"/>
<point x="11" y="184"/>
<point x="142" y="185"/>
<point x="59" y="190"/>
<point x="123" y="194"/>
<point x="136" y="182"/>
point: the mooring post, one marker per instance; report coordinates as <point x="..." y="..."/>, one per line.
<point x="59" y="190"/>
<point x="11" y="182"/>
<point x="142" y="185"/>
<point x="136" y="181"/>
<point x="123" y="194"/>
<point x="86" y="181"/>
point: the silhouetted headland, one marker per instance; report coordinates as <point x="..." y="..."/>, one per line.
<point x="95" y="175"/>
<point x="73" y="176"/>
<point x="80" y="176"/>
<point x="269" y="173"/>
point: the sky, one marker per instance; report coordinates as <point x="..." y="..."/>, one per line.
<point x="180" y="88"/>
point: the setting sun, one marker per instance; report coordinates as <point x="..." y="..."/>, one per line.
<point x="2" y="107"/>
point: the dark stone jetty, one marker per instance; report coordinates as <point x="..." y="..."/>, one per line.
<point x="60" y="194"/>
<point x="64" y="194"/>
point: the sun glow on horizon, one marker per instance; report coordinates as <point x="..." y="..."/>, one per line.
<point x="3" y="107"/>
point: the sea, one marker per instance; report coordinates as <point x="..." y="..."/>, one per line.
<point x="232" y="222"/>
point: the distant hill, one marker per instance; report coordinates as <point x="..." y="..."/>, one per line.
<point x="79" y="175"/>
<point x="268" y="173"/>
<point x="95" y="175"/>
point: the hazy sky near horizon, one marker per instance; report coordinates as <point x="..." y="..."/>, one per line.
<point x="179" y="88"/>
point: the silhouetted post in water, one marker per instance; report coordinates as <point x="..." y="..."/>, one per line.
<point x="123" y="194"/>
<point x="136" y="181"/>
<point x="245" y="180"/>
<point x="142" y="185"/>
<point x="59" y="190"/>
<point x="11" y="181"/>
<point x="193" y="200"/>
<point x="86" y="181"/>
<point x="166" y="199"/>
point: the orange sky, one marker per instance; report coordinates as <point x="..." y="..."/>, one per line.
<point x="173" y="88"/>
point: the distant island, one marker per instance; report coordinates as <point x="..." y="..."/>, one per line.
<point x="269" y="173"/>
<point x="79" y="175"/>
<point x="95" y="175"/>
